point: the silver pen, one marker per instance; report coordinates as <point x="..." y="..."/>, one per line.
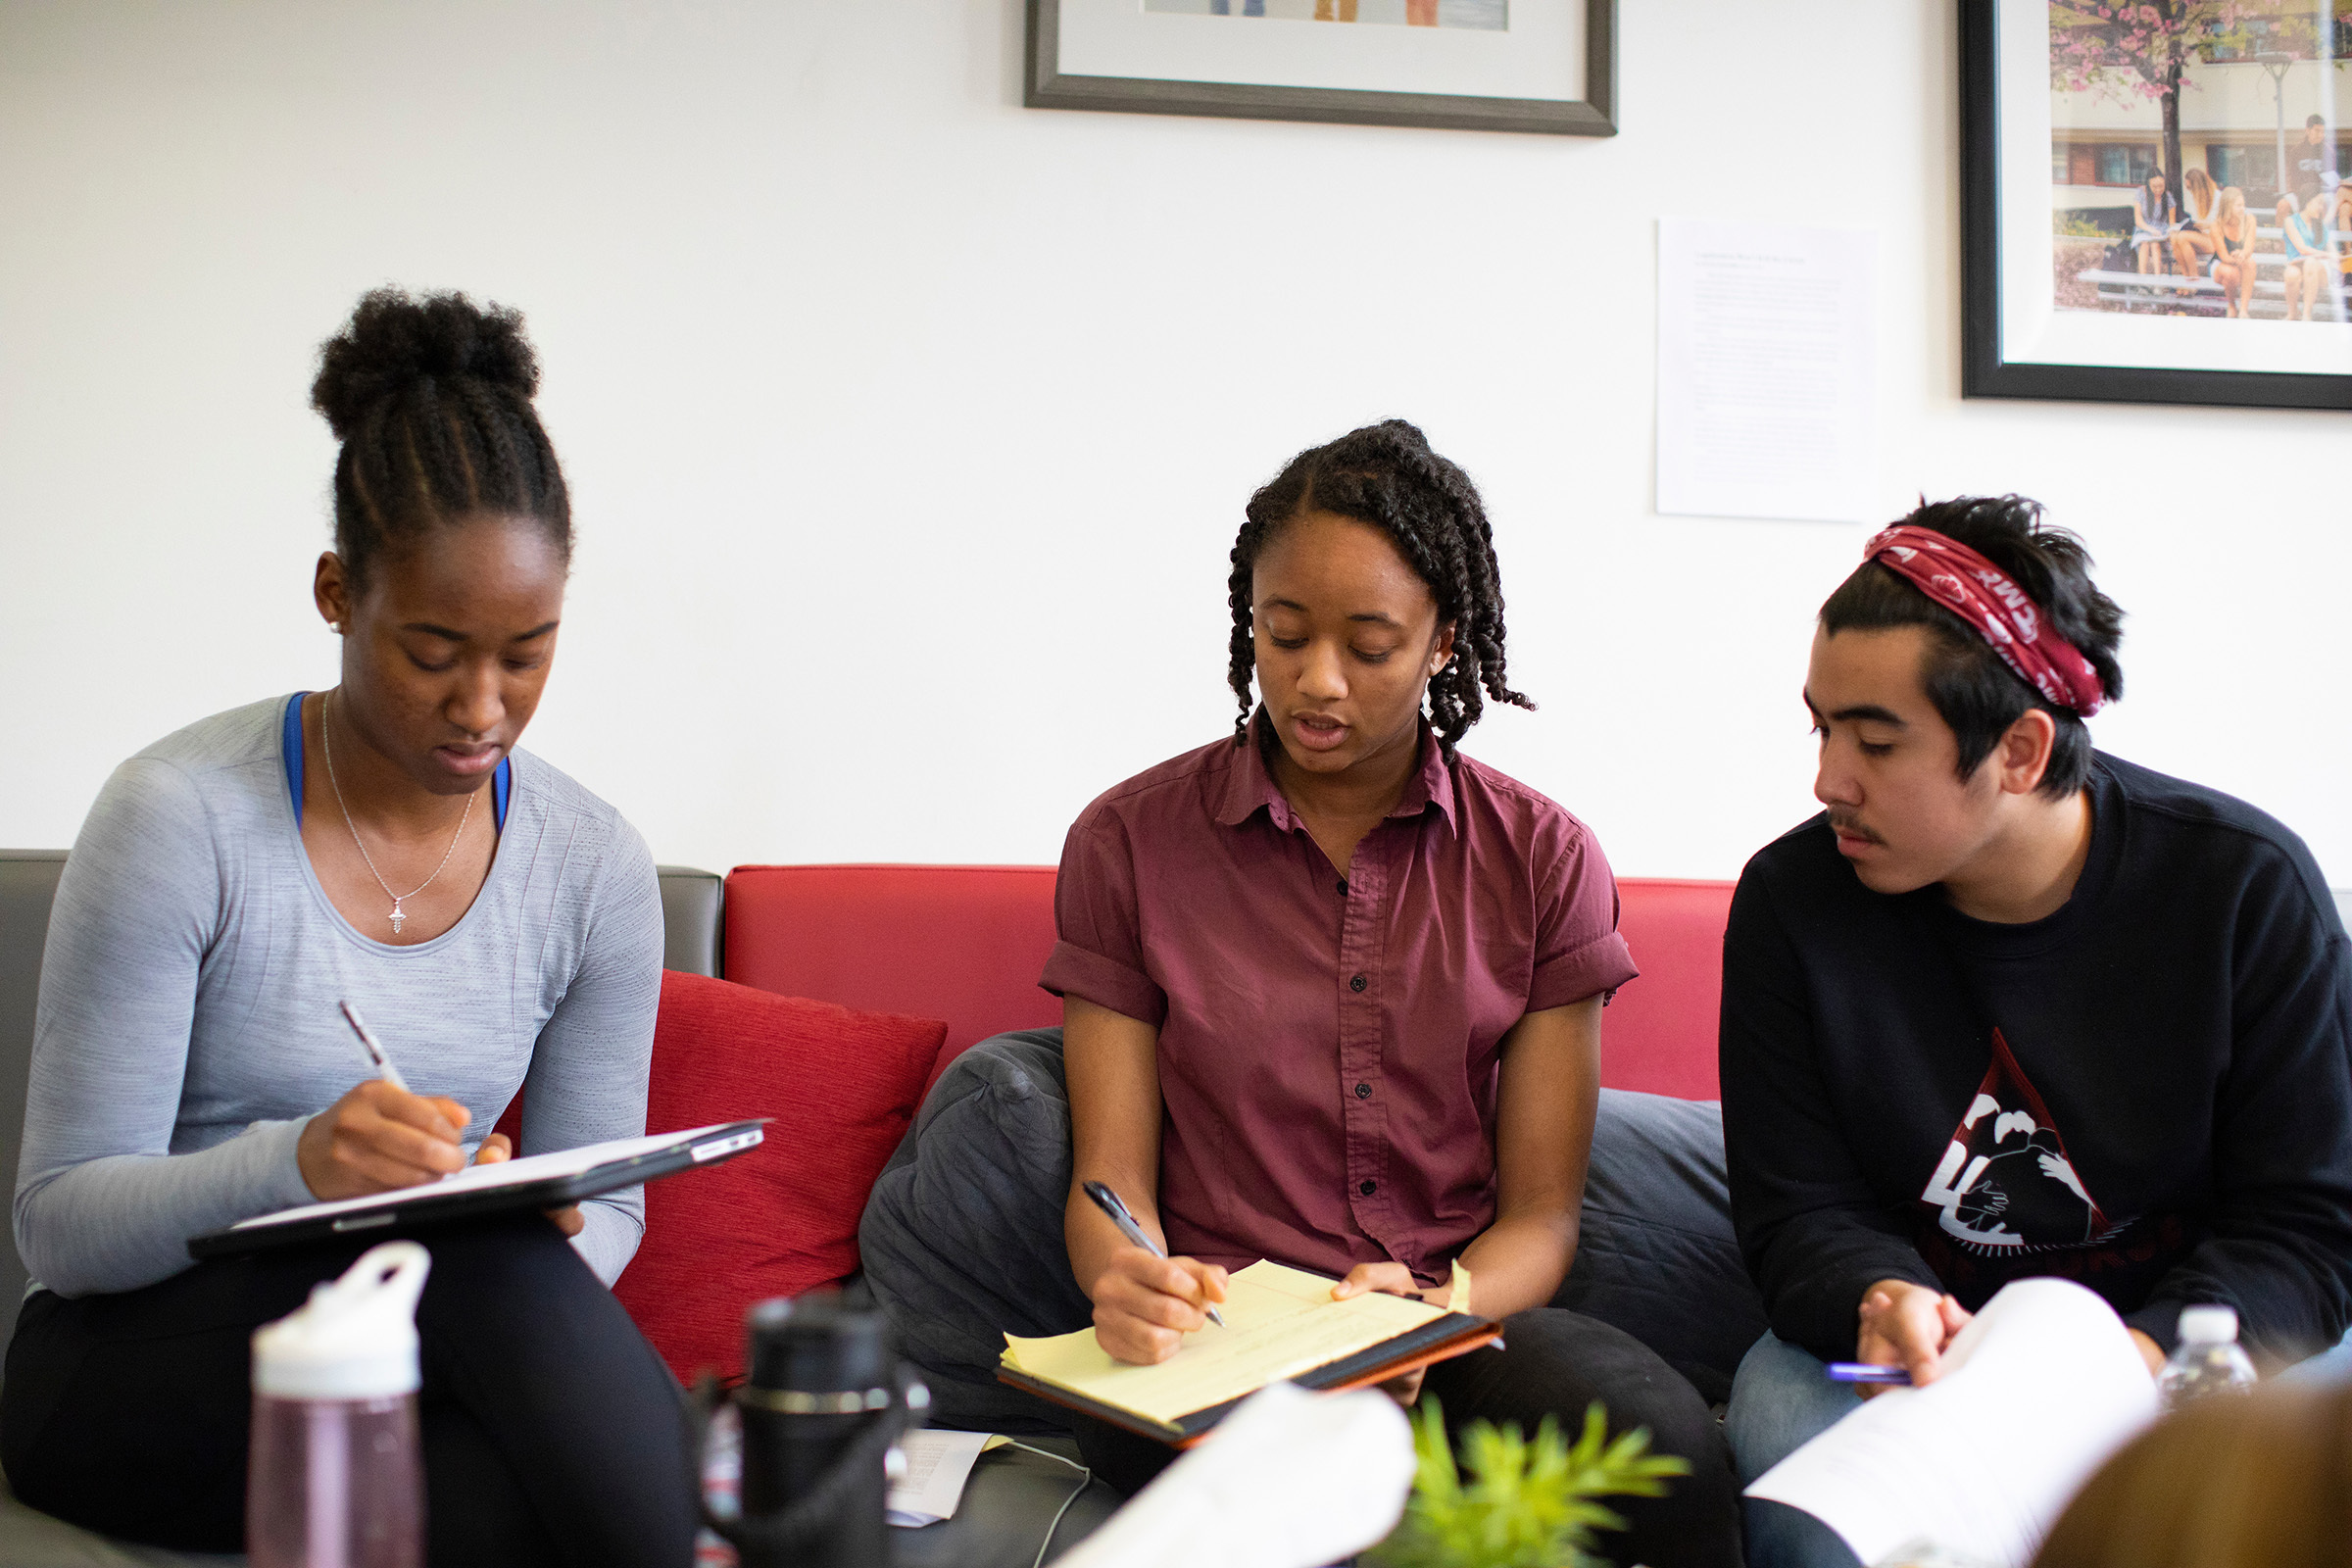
<point x="376" y="1053"/>
<point x="1108" y="1203"/>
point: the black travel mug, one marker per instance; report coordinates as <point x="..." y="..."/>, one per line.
<point x="822" y="1405"/>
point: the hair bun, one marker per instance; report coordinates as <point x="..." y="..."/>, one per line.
<point x="394" y="341"/>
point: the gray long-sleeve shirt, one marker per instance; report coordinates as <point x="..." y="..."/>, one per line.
<point x="187" y="1026"/>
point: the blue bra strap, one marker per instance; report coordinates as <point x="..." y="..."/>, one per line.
<point x="290" y="743"/>
<point x="502" y="782"/>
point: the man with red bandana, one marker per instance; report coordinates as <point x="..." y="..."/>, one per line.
<point x="2011" y="1007"/>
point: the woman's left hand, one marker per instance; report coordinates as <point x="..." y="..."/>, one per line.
<point x="1390" y="1279"/>
<point x="496" y="1148"/>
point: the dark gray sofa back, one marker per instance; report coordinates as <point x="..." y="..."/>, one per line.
<point x="693" y="920"/>
<point x="27" y="885"/>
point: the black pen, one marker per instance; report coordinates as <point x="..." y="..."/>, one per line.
<point x="1108" y="1203"/>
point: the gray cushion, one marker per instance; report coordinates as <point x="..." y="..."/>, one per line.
<point x="962" y="1240"/>
<point x="1009" y="1504"/>
<point x="1657" y="1256"/>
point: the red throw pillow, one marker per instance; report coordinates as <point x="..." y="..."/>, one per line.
<point x="842" y="1085"/>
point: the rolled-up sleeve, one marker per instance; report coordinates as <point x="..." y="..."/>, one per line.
<point x="1099" y="948"/>
<point x="1579" y="951"/>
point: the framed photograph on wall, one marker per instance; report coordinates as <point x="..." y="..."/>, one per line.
<point x="2153" y="201"/>
<point x="1546" y="65"/>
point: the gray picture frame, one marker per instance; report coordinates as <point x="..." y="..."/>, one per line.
<point x="1594" y="115"/>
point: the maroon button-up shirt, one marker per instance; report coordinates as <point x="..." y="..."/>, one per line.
<point x="1329" y="1044"/>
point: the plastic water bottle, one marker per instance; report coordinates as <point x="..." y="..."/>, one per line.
<point x="335" y="1478"/>
<point x="2208" y="1359"/>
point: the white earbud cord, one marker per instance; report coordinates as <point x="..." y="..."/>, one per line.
<point x="1086" y="1479"/>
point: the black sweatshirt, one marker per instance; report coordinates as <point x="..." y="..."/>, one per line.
<point x="2149" y="1091"/>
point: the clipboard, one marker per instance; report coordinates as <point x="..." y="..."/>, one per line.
<point x="478" y="1192"/>
<point x="1439" y="1339"/>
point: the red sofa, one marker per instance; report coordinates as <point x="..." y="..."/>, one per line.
<point x="966" y="944"/>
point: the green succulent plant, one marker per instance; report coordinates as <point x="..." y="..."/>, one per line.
<point x="1529" y="1504"/>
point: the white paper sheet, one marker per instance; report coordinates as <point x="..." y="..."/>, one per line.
<point x="2041" y="1387"/>
<point x="931" y="1487"/>
<point x="1767" y="359"/>
<point x="1289" y="1479"/>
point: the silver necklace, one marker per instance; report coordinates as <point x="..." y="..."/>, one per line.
<point x="399" y="916"/>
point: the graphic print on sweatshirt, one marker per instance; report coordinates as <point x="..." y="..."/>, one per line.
<point x="2005" y="1187"/>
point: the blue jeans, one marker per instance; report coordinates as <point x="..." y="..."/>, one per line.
<point x="2325" y="1368"/>
<point x="1782" y="1398"/>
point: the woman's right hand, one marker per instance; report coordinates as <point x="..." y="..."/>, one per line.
<point x="377" y="1139"/>
<point x="1145" y="1305"/>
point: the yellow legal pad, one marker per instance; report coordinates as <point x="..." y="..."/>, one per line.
<point x="1279" y="1323"/>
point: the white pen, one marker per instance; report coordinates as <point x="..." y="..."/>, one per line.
<point x="376" y="1053"/>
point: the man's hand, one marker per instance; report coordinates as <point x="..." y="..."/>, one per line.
<point x="1145" y="1305"/>
<point x="1910" y="1326"/>
<point x="377" y="1139"/>
<point x="496" y="1148"/>
<point x="2149" y="1351"/>
<point x="1390" y="1279"/>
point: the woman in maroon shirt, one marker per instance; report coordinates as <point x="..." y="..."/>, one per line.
<point x="1333" y="992"/>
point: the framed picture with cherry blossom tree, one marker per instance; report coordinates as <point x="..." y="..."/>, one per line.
<point x="2155" y="205"/>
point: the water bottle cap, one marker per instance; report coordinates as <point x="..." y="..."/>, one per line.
<point x="354" y="1339"/>
<point x="816" y="1342"/>
<point x="2208" y="1325"/>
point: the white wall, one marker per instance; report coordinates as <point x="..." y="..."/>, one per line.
<point x="909" y="429"/>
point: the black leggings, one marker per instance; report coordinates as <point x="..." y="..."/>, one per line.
<point x="553" y="1433"/>
<point x="1557" y="1364"/>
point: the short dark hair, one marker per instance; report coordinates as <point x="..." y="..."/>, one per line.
<point x="1974" y="691"/>
<point x="2314" y="120"/>
<point x="1385" y="475"/>
<point x="431" y="399"/>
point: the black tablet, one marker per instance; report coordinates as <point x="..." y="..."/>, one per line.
<point x="535" y="1182"/>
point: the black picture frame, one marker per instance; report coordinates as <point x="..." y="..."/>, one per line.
<point x="1983" y="370"/>
<point x="1594" y="115"/>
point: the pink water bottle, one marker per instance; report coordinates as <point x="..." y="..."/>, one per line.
<point x="335" y="1479"/>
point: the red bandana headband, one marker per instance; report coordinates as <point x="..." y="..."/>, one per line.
<point x="1983" y="595"/>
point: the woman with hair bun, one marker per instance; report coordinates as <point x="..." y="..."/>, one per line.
<point x="386" y="842"/>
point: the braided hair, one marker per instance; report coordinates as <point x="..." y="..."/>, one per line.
<point x="1385" y="475"/>
<point x="431" y="399"/>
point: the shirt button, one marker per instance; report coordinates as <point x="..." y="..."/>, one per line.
<point x="1358" y="983"/>
<point x="1342" y="887"/>
<point x="1363" y="1091"/>
<point x="1367" y="1187"/>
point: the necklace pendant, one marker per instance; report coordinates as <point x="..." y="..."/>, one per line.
<point x="399" y="919"/>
